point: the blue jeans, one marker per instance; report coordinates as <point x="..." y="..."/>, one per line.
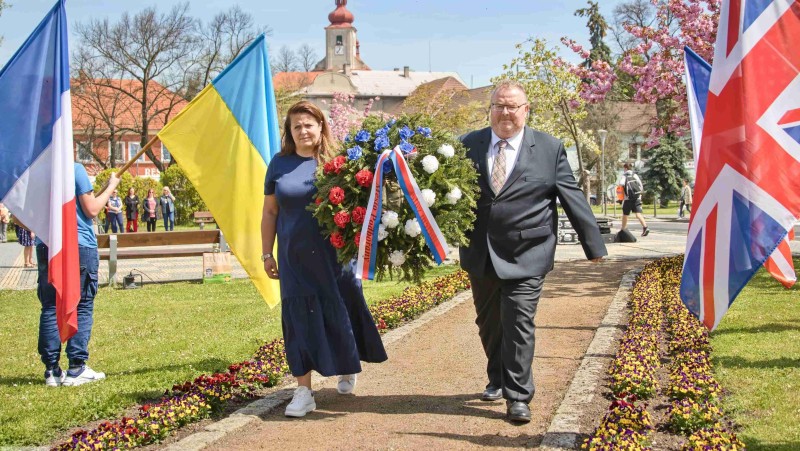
<point x="169" y="221"/>
<point x="116" y="222"/>
<point x="49" y="340"/>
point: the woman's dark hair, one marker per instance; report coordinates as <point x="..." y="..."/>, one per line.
<point x="324" y="148"/>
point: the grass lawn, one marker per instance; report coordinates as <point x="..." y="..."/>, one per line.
<point x="145" y="341"/>
<point x="757" y="360"/>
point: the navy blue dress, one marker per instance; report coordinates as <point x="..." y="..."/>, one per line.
<point x="327" y="326"/>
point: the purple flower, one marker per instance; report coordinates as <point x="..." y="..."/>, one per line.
<point x="354" y="153"/>
<point x="406" y="146"/>
<point x="362" y="136"/>
<point x="387" y="166"/>
<point x="406" y="132"/>
<point x="424" y="131"/>
<point x="381" y="142"/>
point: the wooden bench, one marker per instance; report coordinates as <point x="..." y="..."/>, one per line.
<point x="203" y="218"/>
<point x="192" y="243"/>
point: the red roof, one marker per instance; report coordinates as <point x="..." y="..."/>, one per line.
<point x="294" y="81"/>
<point x="94" y="99"/>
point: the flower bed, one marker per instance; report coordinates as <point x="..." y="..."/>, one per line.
<point x="662" y="330"/>
<point x="195" y="400"/>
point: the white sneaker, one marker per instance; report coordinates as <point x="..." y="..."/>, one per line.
<point x="84" y="377"/>
<point x="51" y="379"/>
<point x="347" y="383"/>
<point x="302" y="403"/>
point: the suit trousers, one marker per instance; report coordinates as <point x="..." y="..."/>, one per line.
<point x="506" y="310"/>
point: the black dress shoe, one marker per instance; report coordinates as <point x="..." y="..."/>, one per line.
<point x="518" y="412"/>
<point x="492" y="394"/>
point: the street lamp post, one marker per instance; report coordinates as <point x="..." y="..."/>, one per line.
<point x="603" y="134"/>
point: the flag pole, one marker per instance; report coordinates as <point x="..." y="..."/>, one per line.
<point x="127" y="165"/>
<point x="136" y="157"/>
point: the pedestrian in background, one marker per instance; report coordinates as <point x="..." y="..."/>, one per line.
<point x="26" y="238"/>
<point x="132" y="211"/>
<point x="5" y="218"/>
<point x="167" y="203"/>
<point x="686" y="198"/>
<point x="149" y="206"/>
<point x="114" y="212"/>
<point x="633" y="188"/>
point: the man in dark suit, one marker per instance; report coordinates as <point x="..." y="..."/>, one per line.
<point x="512" y="246"/>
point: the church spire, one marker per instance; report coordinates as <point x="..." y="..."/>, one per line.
<point x="341" y="17"/>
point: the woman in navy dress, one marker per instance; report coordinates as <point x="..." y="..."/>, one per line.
<point x="327" y="326"/>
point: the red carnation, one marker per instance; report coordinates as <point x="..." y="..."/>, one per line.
<point x="364" y="178"/>
<point x="358" y="215"/>
<point x="328" y="168"/>
<point x="337" y="240"/>
<point x="341" y="218"/>
<point x="336" y="196"/>
<point x="338" y="163"/>
<point x="357" y="238"/>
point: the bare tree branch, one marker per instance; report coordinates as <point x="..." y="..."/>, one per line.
<point x="284" y="61"/>
<point x="306" y="57"/>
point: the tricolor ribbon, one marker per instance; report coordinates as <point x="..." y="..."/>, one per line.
<point x="368" y="241"/>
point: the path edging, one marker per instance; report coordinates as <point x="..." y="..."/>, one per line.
<point x="564" y="428"/>
<point x="256" y="409"/>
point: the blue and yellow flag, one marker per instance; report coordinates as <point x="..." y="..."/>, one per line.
<point x="223" y="140"/>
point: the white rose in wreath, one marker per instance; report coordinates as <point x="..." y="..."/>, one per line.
<point x="447" y="150"/>
<point x="382" y="233"/>
<point x="428" y="196"/>
<point x="390" y="219"/>
<point x="397" y="258"/>
<point x="453" y="196"/>
<point x="412" y="228"/>
<point x="430" y="164"/>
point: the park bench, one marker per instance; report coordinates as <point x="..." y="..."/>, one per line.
<point x="113" y="247"/>
<point x="203" y="218"/>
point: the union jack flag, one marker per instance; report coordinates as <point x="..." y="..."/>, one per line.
<point x="748" y="168"/>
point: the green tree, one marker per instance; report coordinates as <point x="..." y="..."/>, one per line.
<point x="665" y="169"/>
<point x="448" y="109"/>
<point x="598" y="29"/>
<point x="187" y="199"/>
<point x="556" y="105"/>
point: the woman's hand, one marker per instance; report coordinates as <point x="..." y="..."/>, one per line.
<point x="271" y="268"/>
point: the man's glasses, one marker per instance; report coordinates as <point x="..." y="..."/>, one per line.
<point x="496" y="107"/>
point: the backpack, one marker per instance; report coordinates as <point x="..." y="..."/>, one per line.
<point x="633" y="188"/>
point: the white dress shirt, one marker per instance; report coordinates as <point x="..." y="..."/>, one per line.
<point x="511" y="151"/>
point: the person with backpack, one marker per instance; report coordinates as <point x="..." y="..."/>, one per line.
<point x="632" y="202"/>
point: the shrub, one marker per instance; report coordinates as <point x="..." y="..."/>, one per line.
<point x="187" y="199"/>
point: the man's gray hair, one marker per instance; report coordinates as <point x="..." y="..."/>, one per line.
<point x="508" y="84"/>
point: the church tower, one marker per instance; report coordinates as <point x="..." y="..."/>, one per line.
<point x="341" y="43"/>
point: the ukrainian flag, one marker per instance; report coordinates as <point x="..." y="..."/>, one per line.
<point x="223" y="141"/>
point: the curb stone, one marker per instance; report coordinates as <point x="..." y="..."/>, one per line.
<point x="564" y="429"/>
<point x="253" y="411"/>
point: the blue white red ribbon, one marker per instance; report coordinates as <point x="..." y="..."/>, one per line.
<point x="368" y="241"/>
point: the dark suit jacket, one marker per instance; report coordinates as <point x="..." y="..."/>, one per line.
<point x="521" y="221"/>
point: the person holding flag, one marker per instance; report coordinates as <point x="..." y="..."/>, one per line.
<point x="89" y="206"/>
<point x="51" y="194"/>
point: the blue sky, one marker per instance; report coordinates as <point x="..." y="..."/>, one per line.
<point x="473" y="38"/>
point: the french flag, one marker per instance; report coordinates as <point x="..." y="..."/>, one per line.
<point x="698" y="75"/>
<point x="37" y="174"/>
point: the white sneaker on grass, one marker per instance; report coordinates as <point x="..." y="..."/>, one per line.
<point x="302" y="403"/>
<point x="347" y="383"/>
<point x="85" y="376"/>
<point x="54" y="377"/>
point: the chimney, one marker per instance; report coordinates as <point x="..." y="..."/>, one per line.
<point x="405" y="71"/>
<point x="347" y="69"/>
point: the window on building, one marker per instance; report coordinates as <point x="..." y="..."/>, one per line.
<point x="119" y="151"/>
<point x="133" y="149"/>
<point x="84" y="151"/>
<point x="166" y="157"/>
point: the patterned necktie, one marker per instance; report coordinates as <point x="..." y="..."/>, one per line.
<point x="499" y="168"/>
